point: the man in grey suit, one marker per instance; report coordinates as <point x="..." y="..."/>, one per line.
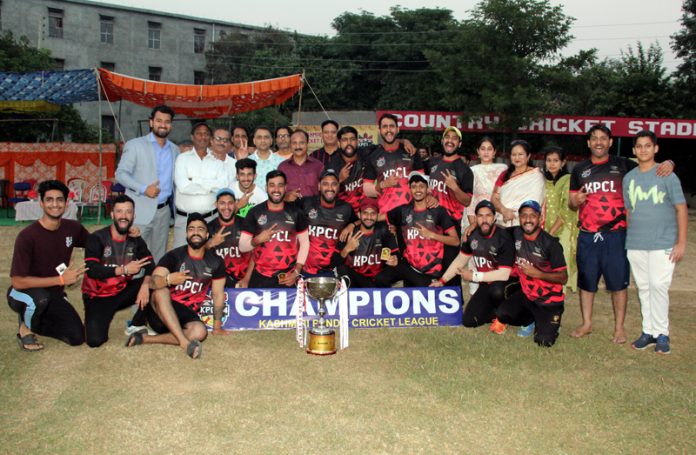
<point x="146" y="170"/>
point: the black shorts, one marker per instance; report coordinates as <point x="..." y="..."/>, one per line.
<point x="183" y="313"/>
<point x="602" y="254"/>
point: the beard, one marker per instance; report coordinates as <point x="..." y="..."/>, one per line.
<point x="120" y="230"/>
<point x="195" y="244"/>
<point x="160" y="134"/>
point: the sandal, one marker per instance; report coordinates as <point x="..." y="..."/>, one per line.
<point x="134" y="339"/>
<point x="28" y="340"/>
<point x="194" y="349"/>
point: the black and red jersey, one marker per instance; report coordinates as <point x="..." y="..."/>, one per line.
<point x="103" y="254"/>
<point x="351" y="190"/>
<point x="365" y="259"/>
<point x="437" y="168"/>
<point x="545" y="253"/>
<point x="382" y="164"/>
<point x="236" y="263"/>
<point x="325" y="226"/>
<point x="193" y="292"/>
<point x="280" y="253"/>
<point x="604" y="208"/>
<point x="492" y="252"/>
<point x="424" y="255"/>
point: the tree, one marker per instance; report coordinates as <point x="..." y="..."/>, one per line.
<point x="684" y="44"/>
<point x="498" y="61"/>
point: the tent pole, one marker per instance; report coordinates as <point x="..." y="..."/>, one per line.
<point x="299" y="105"/>
<point x="99" y="100"/>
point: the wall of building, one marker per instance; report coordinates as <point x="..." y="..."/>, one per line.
<point x="81" y="46"/>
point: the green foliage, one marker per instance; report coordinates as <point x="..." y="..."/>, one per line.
<point x="684" y="44"/>
<point x="18" y="55"/>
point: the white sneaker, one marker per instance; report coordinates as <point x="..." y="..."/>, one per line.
<point x="131" y="329"/>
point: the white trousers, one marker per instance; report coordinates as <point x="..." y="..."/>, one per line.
<point x="653" y="271"/>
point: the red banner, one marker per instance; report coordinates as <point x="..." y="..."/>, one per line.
<point x="548" y="124"/>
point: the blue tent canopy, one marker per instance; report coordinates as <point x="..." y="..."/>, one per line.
<point x="55" y="87"/>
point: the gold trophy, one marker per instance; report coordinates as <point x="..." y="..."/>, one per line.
<point x="322" y="340"/>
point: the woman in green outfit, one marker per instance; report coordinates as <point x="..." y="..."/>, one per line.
<point x="561" y="221"/>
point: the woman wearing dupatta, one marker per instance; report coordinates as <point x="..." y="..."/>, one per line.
<point x="486" y="173"/>
<point x="521" y="182"/>
<point x="561" y="221"/>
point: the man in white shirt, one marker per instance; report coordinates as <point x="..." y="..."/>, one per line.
<point x="198" y="175"/>
<point x="221" y="145"/>
<point x="266" y="159"/>
<point x="246" y="192"/>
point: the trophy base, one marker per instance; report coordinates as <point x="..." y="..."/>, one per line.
<point x="322" y="344"/>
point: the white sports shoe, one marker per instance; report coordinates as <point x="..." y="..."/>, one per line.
<point x="131" y="329"/>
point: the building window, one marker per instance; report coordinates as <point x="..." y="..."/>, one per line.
<point x="155" y="73"/>
<point x="109" y="125"/>
<point x="199" y="77"/>
<point x="198" y="40"/>
<point x="55" y="23"/>
<point x="109" y="66"/>
<point x="58" y="64"/>
<point x="107" y="29"/>
<point x="154" y="30"/>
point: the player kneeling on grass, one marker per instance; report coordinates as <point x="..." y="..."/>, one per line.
<point x="114" y="280"/>
<point x="655" y="239"/>
<point x="541" y="267"/>
<point x="180" y="284"/>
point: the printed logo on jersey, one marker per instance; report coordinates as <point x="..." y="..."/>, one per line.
<point x="586" y="173"/>
<point x="518" y="244"/>
<point x="433" y="169"/>
<point x="380" y="161"/>
<point x="208" y="271"/>
<point x="474" y="244"/>
<point x="183" y="267"/>
<point x="409" y="219"/>
<point x="68" y="241"/>
<point x="206" y="312"/>
<point x="263" y="220"/>
<point x="107" y="251"/>
<point x="614" y="170"/>
<point x="313" y="214"/>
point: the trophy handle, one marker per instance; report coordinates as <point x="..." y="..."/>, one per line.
<point x="347" y="278"/>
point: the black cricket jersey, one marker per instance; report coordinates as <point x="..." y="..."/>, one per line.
<point x="422" y="254"/>
<point x="193" y="292"/>
<point x="604" y="208"/>
<point x="279" y="254"/>
<point x="437" y="166"/>
<point x="325" y="226"/>
<point x="492" y="252"/>
<point x="236" y="263"/>
<point x="365" y="260"/>
<point x="351" y="189"/>
<point x="382" y="164"/>
<point x="103" y="254"/>
<point x="545" y="253"/>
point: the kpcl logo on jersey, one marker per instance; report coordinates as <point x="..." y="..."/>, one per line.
<point x="586" y="173"/>
<point x="263" y="220"/>
<point x="107" y="251"/>
<point x="381" y="161"/>
<point x="68" y="241"/>
<point x="409" y="219"/>
<point x="518" y="244"/>
<point x="313" y="214"/>
<point x="474" y="244"/>
<point x="206" y="312"/>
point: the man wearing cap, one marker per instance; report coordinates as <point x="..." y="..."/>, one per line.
<point x="542" y="270"/>
<point x="327" y="215"/>
<point x="349" y="164"/>
<point x="302" y="170"/>
<point x="198" y="175"/>
<point x="369" y="255"/>
<point x="277" y="231"/>
<point x="180" y="284"/>
<point x="146" y="169"/>
<point x="451" y="180"/>
<point x="493" y="251"/>
<point x="422" y="233"/>
<point x="225" y="231"/>
<point x="247" y="193"/>
<point x="388" y="168"/>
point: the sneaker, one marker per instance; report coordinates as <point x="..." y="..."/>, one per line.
<point x="662" y="345"/>
<point x="526" y="330"/>
<point x="131" y="329"/>
<point x="643" y="341"/>
<point x="497" y="327"/>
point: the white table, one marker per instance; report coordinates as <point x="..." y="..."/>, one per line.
<point x="31" y="210"/>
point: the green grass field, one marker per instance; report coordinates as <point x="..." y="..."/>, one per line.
<point x="445" y="390"/>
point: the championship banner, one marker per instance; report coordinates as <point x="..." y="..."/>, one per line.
<point x="273" y="309"/>
<point x="547" y="124"/>
<point x="367" y="135"/>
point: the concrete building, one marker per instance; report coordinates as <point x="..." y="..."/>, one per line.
<point x="137" y="42"/>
